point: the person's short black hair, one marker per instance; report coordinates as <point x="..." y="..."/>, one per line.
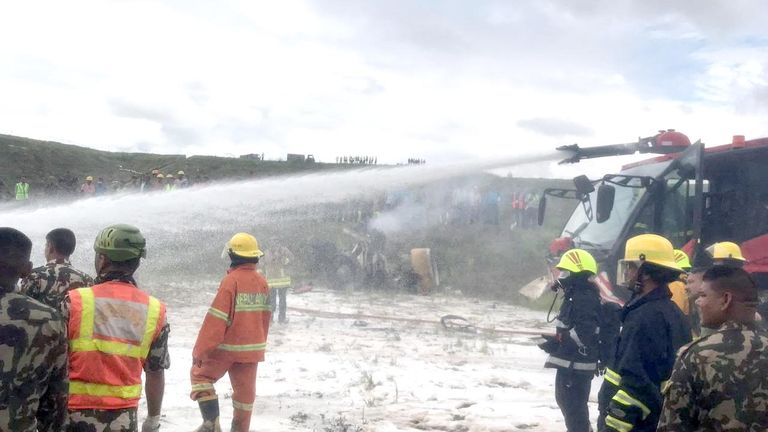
<point x="237" y="260"/>
<point x="659" y="274"/>
<point x="15" y="249"/>
<point x="733" y="279"/>
<point x="63" y="240"/>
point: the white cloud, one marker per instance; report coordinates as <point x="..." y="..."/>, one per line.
<point x="399" y="79"/>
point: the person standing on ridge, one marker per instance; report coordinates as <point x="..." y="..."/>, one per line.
<point x="116" y="330"/>
<point x="49" y="284"/>
<point x="33" y="348"/>
<point x="22" y="189"/>
<point x="653" y="330"/>
<point x="88" y="188"/>
<point x="574" y="350"/>
<point x="233" y="337"/>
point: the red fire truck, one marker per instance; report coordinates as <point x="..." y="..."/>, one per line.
<point x="692" y="195"/>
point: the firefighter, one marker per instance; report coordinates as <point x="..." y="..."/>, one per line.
<point x="278" y="279"/>
<point x="115" y="331"/>
<point x="653" y="330"/>
<point x="233" y="337"/>
<point x="575" y="348"/>
<point x="679" y="296"/>
<point x="726" y="253"/>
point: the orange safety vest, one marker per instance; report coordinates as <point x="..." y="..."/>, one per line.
<point x="111" y="329"/>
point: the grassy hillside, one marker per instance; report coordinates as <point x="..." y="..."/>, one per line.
<point x="42" y="161"/>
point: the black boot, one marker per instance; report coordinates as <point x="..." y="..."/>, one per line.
<point x="210" y="411"/>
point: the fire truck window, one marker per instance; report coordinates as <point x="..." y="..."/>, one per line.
<point x="677" y="212"/>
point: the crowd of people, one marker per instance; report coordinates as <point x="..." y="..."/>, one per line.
<point x="357" y="160"/>
<point x="657" y="377"/>
<point x="76" y="346"/>
<point x="69" y="186"/>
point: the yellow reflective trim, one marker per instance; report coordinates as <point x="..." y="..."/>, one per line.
<point x="251" y="308"/>
<point x="86" y="317"/>
<point x="242" y="406"/>
<point x="107" y="347"/>
<point x="612" y="377"/>
<point x="93" y="389"/>
<point x="218" y="314"/>
<point x="240" y="348"/>
<point x="625" y="399"/>
<point x="204" y="386"/>
<point x="621" y="426"/>
<point x="86" y="342"/>
<point x="153" y="316"/>
<point x="279" y="282"/>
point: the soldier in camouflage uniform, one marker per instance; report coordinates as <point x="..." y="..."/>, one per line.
<point x="719" y="382"/>
<point x="50" y="283"/>
<point x="33" y="348"/>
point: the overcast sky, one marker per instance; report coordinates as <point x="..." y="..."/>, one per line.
<point x="439" y="80"/>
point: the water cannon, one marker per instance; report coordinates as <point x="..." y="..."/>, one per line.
<point x="665" y="142"/>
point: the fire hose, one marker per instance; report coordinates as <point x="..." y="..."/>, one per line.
<point x="449" y="322"/>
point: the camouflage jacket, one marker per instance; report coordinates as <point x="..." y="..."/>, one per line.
<point x="719" y="383"/>
<point x="50" y="283"/>
<point x="33" y="365"/>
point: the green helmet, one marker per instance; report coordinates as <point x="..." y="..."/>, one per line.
<point x="121" y="242"/>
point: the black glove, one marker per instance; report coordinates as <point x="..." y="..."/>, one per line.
<point x="550" y="344"/>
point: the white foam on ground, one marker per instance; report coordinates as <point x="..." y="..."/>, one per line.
<point x="387" y="376"/>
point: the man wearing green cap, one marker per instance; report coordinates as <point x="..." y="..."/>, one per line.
<point x="115" y="331"/>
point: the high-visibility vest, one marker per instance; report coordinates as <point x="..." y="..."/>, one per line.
<point x="169" y="187"/>
<point x="111" y="329"/>
<point x="22" y="191"/>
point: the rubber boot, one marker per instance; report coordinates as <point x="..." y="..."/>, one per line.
<point x="210" y="411"/>
<point x="241" y="421"/>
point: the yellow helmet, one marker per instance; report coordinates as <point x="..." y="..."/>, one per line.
<point x="726" y="250"/>
<point x="169" y="176"/>
<point x="681" y="258"/>
<point x="577" y="261"/>
<point x="243" y="245"/>
<point x="180" y="173"/>
<point x="89" y="178"/>
<point x="646" y="248"/>
<point x="160" y="176"/>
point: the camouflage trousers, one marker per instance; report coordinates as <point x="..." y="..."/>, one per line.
<point x="90" y="420"/>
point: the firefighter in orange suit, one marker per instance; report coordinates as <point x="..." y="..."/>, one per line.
<point x="677" y="288"/>
<point x="115" y="331"/>
<point x="233" y="337"/>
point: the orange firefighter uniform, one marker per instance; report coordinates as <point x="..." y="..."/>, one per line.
<point x="232" y="340"/>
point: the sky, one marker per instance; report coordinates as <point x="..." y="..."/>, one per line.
<point x="396" y="79"/>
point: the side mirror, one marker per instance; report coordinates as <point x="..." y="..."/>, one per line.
<point x="583" y="185"/>
<point x="605" y="195"/>
<point x="542" y="209"/>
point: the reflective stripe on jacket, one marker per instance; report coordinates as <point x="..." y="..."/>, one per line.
<point x="22" y="191"/>
<point x="236" y="325"/>
<point x="111" y="329"/>
<point x="283" y="282"/>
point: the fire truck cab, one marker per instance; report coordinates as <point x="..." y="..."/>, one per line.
<point x="691" y="195"/>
